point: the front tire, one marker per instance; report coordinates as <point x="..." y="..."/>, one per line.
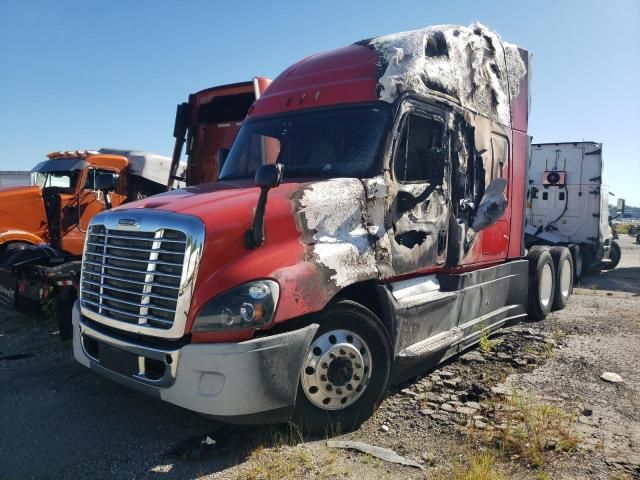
<point x="563" y="264"/>
<point x="345" y="371"/>
<point x="614" y="256"/>
<point x="541" y="283"/>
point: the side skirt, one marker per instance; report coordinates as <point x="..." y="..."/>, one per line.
<point x="437" y="316"/>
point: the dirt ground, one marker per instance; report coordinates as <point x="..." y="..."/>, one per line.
<point x="529" y="404"/>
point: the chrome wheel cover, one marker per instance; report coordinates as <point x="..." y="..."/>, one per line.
<point x="546" y="285"/>
<point x="565" y="278"/>
<point x="336" y="370"/>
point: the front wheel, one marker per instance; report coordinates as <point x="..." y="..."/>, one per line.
<point x="614" y="256"/>
<point x="344" y="372"/>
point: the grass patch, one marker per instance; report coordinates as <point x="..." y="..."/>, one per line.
<point x="479" y="466"/>
<point x="486" y="343"/>
<point x="291" y="458"/>
<point x="278" y="463"/>
<point x="533" y="430"/>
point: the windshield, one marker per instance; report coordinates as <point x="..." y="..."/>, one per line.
<point x="341" y="142"/>
<point x="60" y="180"/>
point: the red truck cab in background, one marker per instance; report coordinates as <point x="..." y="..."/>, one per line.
<point x="208" y="124"/>
<point x="367" y="224"/>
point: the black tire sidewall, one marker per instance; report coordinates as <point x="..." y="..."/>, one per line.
<point x="347" y="315"/>
<point x="559" y="255"/>
<point x="615" y="260"/>
<point x="578" y="266"/>
<point x="538" y="258"/>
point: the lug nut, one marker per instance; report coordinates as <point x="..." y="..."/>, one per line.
<point x="339" y="391"/>
<point x="323" y="378"/>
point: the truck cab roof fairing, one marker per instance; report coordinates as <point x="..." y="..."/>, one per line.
<point x="471" y="65"/>
<point x="60" y="165"/>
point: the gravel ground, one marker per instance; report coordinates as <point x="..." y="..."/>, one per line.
<point x="59" y="420"/>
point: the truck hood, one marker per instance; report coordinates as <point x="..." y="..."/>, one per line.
<point x="222" y="205"/>
<point x="19" y="193"/>
<point x="22" y="209"/>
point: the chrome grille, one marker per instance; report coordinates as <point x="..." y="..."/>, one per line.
<point x="133" y="276"/>
<point x="141" y="279"/>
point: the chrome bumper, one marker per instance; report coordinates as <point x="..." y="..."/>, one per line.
<point x="233" y="381"/>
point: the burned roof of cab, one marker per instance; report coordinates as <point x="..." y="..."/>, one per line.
<point x="471" y="64"/>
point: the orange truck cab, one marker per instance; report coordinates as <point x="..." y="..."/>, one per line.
<point x="43" y="226"/>
<point x="67" y="190"/>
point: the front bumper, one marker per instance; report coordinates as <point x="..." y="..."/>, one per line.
<point x="243" y="382"/>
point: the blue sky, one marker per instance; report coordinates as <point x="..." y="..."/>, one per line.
<point x="81" y="74"/>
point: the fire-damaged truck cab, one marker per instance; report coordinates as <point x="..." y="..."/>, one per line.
<point x="367" y="223"/>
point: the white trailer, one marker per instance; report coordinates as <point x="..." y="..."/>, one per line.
<point x="14" y="178"/>
<point x="567" y="203"/>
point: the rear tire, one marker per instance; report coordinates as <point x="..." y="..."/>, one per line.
<point x="353" y="338"/>
<point x="541" y="283"/>
<point x="587" y="262"/>
<point x="614" y="256"/>
<point x="563" y="264"/>
<point x="11" y="251"/>
<point x="576" y="256"/>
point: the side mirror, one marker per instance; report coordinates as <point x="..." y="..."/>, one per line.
<point x="492" y="205"/>
<point x="620" y="206"/>
<point x="269" y="176"/>
<point x="223" y="153"/>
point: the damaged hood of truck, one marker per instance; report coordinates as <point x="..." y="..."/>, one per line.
<point x="221" y="205"/>
<point x="329" y="219"/>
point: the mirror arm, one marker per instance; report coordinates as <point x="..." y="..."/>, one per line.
<point x="254" y="237"/>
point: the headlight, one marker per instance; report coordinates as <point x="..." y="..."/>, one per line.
<point x="248" y="306"/>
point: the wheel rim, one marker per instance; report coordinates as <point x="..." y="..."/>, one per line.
<point x="336" y="370"/>
<point x="565" y="278"/>
<point x="546" y="285"/>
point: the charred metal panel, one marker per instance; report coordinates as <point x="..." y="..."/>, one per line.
<point x="470" y="64"/>
<point x="461" y="304"/>
<point x="341" y="223"/>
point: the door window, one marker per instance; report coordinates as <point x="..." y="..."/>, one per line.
<point x="98" y="179"/>
<point x="420" y="153"/>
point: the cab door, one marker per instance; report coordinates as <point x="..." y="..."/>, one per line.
<point x="101" y="191"/>
<point x="420" y="206"/>
<point x="418" y="213"/>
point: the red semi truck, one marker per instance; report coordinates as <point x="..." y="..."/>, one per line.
<point x="367" y="225"/>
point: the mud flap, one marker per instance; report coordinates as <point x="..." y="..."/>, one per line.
<point x="7" y="287"/>
<point x="65" y="298"/>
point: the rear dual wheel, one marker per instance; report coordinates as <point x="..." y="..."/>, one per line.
<point x="563" y="265"/>
<point x="542" y="280"/>
<point x="344" y="372"/>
